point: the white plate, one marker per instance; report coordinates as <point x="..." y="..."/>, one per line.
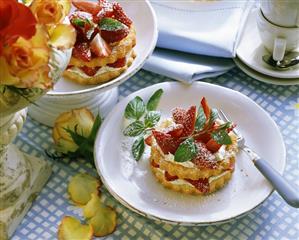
<point x="265" y="78"/>
<point x="133" y="184"/>
<point x="144" y="20"/>
<point x="250" y="51"/>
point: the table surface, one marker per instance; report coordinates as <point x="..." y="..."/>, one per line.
<point x="274" y="219"/>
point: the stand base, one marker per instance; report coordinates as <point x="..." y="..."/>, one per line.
<point x="40" y="171"/>
<point x="48" y="108"/>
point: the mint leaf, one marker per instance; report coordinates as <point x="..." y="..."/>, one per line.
<point x="110" y="24"/>
<point x="135" y="108"/>
<point x="153" y="102"/>
<point x="213" y="116"/>
<point x="186" y="151"/>
<point x="221" y="137"/>
<point x="138" y="148"/>
<point x="78" y="22"/>
<point x="201" y="119"/>
<point x="151" y="118"/>
<point x="134" y="129"/>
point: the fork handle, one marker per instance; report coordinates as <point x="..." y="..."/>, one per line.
<point x="286" y="191"/>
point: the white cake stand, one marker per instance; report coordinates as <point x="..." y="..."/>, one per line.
<point x="67" y="95"/>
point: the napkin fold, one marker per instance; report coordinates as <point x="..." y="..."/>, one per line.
<point x="189" y="31"/>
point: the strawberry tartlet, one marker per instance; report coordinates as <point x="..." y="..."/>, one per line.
<point x="193" y="151"/>
<point x="104" y="45"/>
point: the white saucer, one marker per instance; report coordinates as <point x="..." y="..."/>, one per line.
<point x="265" y="78"/>
<point x="250" y="51"/>
<point x="133" y="184"/>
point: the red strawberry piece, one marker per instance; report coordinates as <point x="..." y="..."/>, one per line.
<point x="149" y="140"/>
<point x="166" y="142"/>
<point x="90" y="71"/>
<point x="201" y="184"/>
<point x="118" y="63"/>
<point x="87" y="6"/>
<point x="169" y="177"/>
<point x="120" y="15"/>
<point x="213" y="146"/>
<point x="186" y="118"/>
<point x="114" y="36"/>
<point x="82" y="51"/>
<point x="205" y="107"/>
<point x="99" y="47"/>
<point x="155" y="165"/>
<point x="175" y="131"/>
<point x="204" y="158"/>
<point x="203" y="138"/>
<point x="106" y="11"/>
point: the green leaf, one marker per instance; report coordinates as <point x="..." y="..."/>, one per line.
<point x="151" y="118"/>
<point x="110" y="24"/>
<point x="213" y="116"/>
<point x="154" y="100"/>
<point x="78" y="22"/>
<point x="135" y="108"/>
<point x="77" y="138"/>
<point x="221" y="137"/>
<point x="134" y="129"/>
<point x="201" y="119"/>
<point x="186" y="151"/>
<point x="138" y="148"/>
<point x="95" y="127"/>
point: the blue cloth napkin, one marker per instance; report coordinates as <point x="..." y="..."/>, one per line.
<point x="189" y="31"/>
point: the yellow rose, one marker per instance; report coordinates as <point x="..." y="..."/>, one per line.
<point x="79" y="121"/>
<point x="50" y="11"/>
<point x="25" y="62"/>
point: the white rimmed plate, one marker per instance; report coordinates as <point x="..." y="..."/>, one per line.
<point x="144" y="20"/>
<point x="133" y="184"/>
<point x="250" y="51"/>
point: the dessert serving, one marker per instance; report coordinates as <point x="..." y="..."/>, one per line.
<point x="192" y="152"/>
<point x="104" y="45"/>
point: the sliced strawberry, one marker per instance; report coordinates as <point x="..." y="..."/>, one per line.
<point x="205" y="107"/>
<point x="149" y="140"/>
<point x="120" y="15"/>
<point x="175" y="131"/>
<point x="99" y="47"/>
<point x="90" y="71"/>
<point x="87" y="6"/>
<point x="213" y="146"/>
<point x="203" y="138"/>
<point x="121" y="62"/>
<point x="155" y="165"/>
<point x="114" y="36"/>
<point x="82" y="51"/>
<point x="106" y="11"/>
<point x="113" y="30"/>
<point x="166" y="142"/>
<point x="201" y="184"/>
<point x="170" y="178"/>
<point x="204" y="158"/>
<point x="186" y="118"/>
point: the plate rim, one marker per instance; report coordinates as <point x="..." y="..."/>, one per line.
<point x="117" y="81"/>
<point x="155" y="217"/>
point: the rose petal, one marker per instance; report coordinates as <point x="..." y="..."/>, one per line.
<point x="63" y="36"/>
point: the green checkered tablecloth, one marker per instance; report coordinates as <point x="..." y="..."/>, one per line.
<point x="274" y="219"/>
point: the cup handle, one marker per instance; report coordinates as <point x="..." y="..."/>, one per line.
<point x="279" y="48"/>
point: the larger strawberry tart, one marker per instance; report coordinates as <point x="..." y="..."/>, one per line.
<point x="104" y="45"/>
<point x="193" y="151"/>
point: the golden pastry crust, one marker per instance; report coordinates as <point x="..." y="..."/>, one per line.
<point x="119" y="50"/>
<point x="194" y="173"/>
<point x="100" y="78"/>
<point x="187" y="188"/>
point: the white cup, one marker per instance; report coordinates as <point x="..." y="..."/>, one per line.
<point x="277" y="40"/>
<point x="283" y="13"/>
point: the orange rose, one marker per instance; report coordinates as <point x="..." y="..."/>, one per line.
<point x="50" y="11"/>
<point x="13" y="15"/>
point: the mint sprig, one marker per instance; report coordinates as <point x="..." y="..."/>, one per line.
<point x="110" y="24"/>
<point x="144" y="119"/>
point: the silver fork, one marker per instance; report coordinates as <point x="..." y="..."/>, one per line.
<point x="286" y="191"/>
